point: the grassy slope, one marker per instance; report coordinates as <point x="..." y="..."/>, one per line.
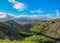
<point x="42" y="28"/>
<point x="12" y="28"/>
<point x="31" y="39"/>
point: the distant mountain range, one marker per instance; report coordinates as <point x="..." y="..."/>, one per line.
<point x="24" y="18"/>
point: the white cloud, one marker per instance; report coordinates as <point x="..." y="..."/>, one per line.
<point x="5" y="15"/>
<point x="57" y="13"/>
<point x="13" y="17"/>
<point x="18" y="5"/>
<point x="36" y="16"/>
<point x="33" y="17"/>
<point x="49" y="15"/>
<point x="12" y="1"/>
<point x="2" y="15"/>
<point x="37" y="11"/>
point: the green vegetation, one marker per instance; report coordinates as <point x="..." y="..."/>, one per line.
<point x="40" y="29"/>
<point x="31" y="39"/>
<point x="8" y="26"/>
<point x="38" y="39"/>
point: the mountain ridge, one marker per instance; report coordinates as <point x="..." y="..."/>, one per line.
<point x="20" y="31"/>
<point x="23" y="18"/>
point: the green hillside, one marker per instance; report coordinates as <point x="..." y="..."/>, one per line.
<point x="33" y="32"/>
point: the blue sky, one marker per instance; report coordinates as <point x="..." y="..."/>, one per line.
<point x="30" y="7"/>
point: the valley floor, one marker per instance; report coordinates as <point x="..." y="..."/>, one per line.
<point x="31" y="39"/>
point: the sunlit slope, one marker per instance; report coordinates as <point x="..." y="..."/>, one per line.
<point x="32" y="32"/>
<point x="50" y="28"/>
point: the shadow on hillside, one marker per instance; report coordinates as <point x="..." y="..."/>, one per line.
<point x="12" y="35"/>
<point x="54" y="38"/>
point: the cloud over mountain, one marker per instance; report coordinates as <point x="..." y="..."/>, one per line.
<point x="2" y="15"/>
<point x="5" y="17"/>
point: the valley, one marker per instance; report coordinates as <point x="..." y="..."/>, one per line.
<point x="30" y="32"/>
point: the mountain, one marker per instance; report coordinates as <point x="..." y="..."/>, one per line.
<point x="50" y="29"/>
<point x="13" y="31"/>
<point x="6" y="18"/>
<point x="32" y="19"/>
<point x="38" y="31"/>
<point x="23" y="18"/>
